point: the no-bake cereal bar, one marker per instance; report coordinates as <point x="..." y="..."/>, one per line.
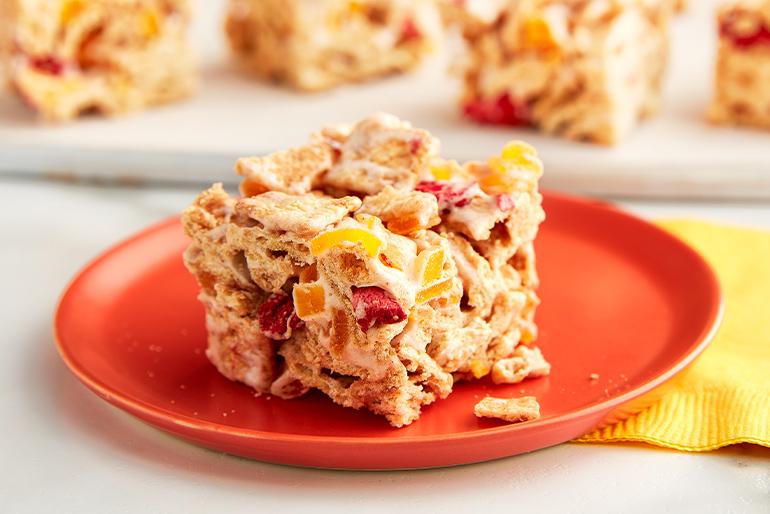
<point x="366" y="266"/>
<point x="742" y="85"/>
<point x="582" y="69"/>
<point x="318" y="44"/>
<point x="68" y="57"/>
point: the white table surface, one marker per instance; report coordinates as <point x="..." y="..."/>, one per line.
<point x="65" y="450"/>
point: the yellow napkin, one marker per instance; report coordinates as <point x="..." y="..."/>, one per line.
<point x="724" y="397"/>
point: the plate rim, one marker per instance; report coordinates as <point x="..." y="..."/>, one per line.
<point x="159" y="414"/>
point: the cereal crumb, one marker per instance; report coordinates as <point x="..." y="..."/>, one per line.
<point x="593" y="376"/>
<point x="513" y="410"/>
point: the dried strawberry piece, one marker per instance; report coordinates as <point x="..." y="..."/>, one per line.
<point x="277" y="317"/>
<point x="448" y="194"/>
<point x="501" y="111"/>
<point x="505" y="202"/>
<point x="375" y="306"/>
<point x="414" y="146"/>
<point x="760" y="37"/>
<point x="409" y="31"/>
<point x="48" y="64"/>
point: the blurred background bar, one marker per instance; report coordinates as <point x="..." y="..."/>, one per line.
<point x="676" y="154"/>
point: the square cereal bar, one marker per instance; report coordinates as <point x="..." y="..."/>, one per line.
<point x="742" y="85"/>
<point x="67" y="57"/>
<point x="319" y="44"/>
<point x="366" y="266"/>
<point x="582" y="69"/>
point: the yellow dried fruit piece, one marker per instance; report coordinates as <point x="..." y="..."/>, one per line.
<point x="150" y="23"/>
<point x="479" y="368"/>
<point x="309" y="299"/>
<point x="433" y="291"/>
<point x="369" y="220"/>
<point x="430" y="263"/>
<point x="70" y="9"/>
<point x="324" y="242"/>
<point x="517" y="151"/>
<point x="356" y="6"/>
<point x="441" y="171"/>
<point x="528" y="335"/>
<point x="514" y="159"/>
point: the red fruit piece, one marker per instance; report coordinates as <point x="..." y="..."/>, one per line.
<point x="744" y="41"/>
<point x="505" y="202"/>
<point x="409" y="31"/>
<point x="414" y="146"/>
<point x="375" y="306"/>
<point x="277" y="317"/>
<point x="501" y="111"/>
<point x="49" y="64"/>
<point x="448" y="194"/>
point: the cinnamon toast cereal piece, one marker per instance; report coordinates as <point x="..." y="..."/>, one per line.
<point x="294" y="171"/>
<point x="381" y="151"/>
<point x="402" y="213"/>
<point x="512" y="410"/>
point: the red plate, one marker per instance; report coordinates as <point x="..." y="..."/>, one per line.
<point x="621" y="298"/>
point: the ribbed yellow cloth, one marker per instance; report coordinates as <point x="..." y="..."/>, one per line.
<point x="724" y="397"/>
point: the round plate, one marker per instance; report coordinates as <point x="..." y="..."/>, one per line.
<point x="621" y="299"/>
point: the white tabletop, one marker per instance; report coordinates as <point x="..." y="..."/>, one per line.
<point x="65" y="450"/>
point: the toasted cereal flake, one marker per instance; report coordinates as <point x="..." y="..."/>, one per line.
<point x="513" y="410"/>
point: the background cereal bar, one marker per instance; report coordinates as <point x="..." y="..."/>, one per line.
<point x="68" y="57"/>
<point x="318" y="44"/>
<point x="583" y="69"/>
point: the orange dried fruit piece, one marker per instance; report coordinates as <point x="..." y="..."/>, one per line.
<point x="434" y="291"/>
<point x="309" y="299"/>
<point x="327" y="240"/>
<point x="479" y="368"/>
<point x="405" y="225"/>
<point x="536" y="34"/>
<point x="308" y="274"/>
<point x="496" y="184"/>
<point x="392" y="258"/>
<point x="452" y="300"/>
<point x="252" y="188"/>
<point x="430" y="264"/>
